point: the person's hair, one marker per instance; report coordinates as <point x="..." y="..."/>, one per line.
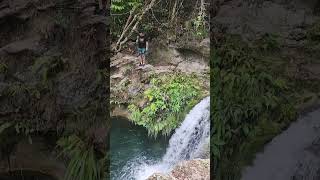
<point x="143" y="34"/>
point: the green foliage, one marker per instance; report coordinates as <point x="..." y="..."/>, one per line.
<point x="18" y="89"/>
<point x="62" y="19"/>
<point x="268" y="42"/>
<point x="10" y="134"/>
<point x="200" y="27"/>
<point x="4" y="126"/>
<point x="243" y="93"/>
<point x="3" y="68"/>
<point x="169" y="97"/>
<point x="47" y="67"/>
<point x="8" y="139"/>
<point x="261" y="134"/>
<point x="313" y="33"/>
<point x="119" y="6"/>
<point x="120" y="10"/>
<point x="25" y="129"/>
<point x="84" y="163"/>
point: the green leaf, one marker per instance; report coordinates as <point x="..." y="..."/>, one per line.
<point x="4" y="126"/>
<point x="215" y="151"/>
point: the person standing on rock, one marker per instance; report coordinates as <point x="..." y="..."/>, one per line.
<point x="142" y="43"/>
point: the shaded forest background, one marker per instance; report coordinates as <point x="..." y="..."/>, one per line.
<point x="54" y="88"/>
<point x="264" y="73"/>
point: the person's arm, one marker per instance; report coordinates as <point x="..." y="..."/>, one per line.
<point x="137" y="40"/>
<point x="147" y="46"/>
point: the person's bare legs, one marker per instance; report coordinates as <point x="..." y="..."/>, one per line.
<point x="143" y="59"/>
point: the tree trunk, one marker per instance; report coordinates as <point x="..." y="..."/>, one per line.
<point x="132" y="26"/>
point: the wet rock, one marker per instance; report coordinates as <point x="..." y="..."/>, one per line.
<point x="188" y="170"/>
<point x="142" y="103"/>
<point x="164" y="69"/>
<point x="311" y="101"/>
<point x="292" y="151"/>
<point x="134" y="90"/>
<point x="269" y="17"/>
<point x="3" y="88"/>
<point x="94" y="19"/>
<point x="145" y="68"/>
<point x="37" y="156"/>
<point x="176" y="61"/>
<point x="30" y="44"/>
<point x="193" y="67"/>
<point x="309" y="166"/>
<point x="158" y="176"/>
<point x="117" y="76"/>
<point x="313" y="70"/>
<point x="120" y="111"/>
<point x="68" y="80"/>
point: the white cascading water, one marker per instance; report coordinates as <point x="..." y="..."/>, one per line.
<point x="188" y="142"/>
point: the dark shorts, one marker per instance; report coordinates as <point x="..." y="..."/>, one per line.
<point x="141" y="51"/>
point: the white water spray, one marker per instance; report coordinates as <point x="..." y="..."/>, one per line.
<point x="186" y="143"/>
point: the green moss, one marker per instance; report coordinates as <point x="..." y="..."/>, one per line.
<point x="169" y="98"/>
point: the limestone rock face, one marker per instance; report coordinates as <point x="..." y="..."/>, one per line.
<point x="253" y="19"/>
<point x="36" y="157"/>
<point x="52" y="64"/>
<point x="197" y="169"/>
<point x="129" y="80"/>
<point x="291" y="22"/>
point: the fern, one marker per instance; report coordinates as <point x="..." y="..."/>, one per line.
<point x="83" y="164"/>
<point x="3" y="68"/>
<point x="168" y="99"/>
<point x="243" y="93"/>
<point x="313" y="33"/>
<point x="4" y="126"/>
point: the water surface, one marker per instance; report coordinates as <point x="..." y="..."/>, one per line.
<point x="293" y="155"/>
<point x="130" y="145"/>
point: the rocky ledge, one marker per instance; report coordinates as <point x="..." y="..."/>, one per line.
<point x="129" y="80"/>
<point x="197" y="169"/>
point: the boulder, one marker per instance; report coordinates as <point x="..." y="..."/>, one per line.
<point x="196" y="169"/>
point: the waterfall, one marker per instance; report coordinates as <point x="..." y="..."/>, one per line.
<point x="186" y="143"/>
<point x="190" y="137"/>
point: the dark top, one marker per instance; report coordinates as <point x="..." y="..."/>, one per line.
<point x="142" y="41"/>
